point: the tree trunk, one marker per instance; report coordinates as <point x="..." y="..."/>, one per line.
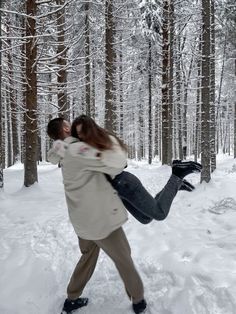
<point x="235" y="128"/>
<point x="110" y="114"/>
<point x="212" y="96"/>
<point x="31" y="149"/>
<point x="198" y="106"/>
<point x="121" y="91"/>
<point x="171" y="82"/>
<point x="235" y="115"/>
<point x="218" y="114"/>
<point x="206" y="51"/>
<point x="165" y="82"/>
<point x="178" y="99"/>
<point x="1" y="107"/>
<point x="12" y="102"/>
<point x="87" y="62"/>
<point x="150" y="149"/>
<point x="93" y="93"/>
<point x="63" y="104"/>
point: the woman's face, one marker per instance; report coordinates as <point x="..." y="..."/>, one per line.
<point x="79" y="131"/>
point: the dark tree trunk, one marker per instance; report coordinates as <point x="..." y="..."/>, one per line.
<point x="1" y="108"/>
<point x="87" y="62"/>
<point x="212" y="96"/>
<point x="205" y="133"/>
<point x="165" y="82"/>
<point x="63" y="103"/>
<point x="149" y="101"/>
<point x="110" y="108"/>
<point x="31" y="138"/>
<point x="171" y="82"/>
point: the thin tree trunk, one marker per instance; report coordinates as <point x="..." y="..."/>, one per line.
<point x="235" y="115"/>
<point x="235" y="128"/>
<point x="206" y="51"/>
<point x="198" y="106"/>
<point x="150" y="149"/>
<point x="87" y="62"/>
<point x="218" y="114"/>
<point x="165" y="82"/>
<point x="93" y="93"/>
<point x="12" y="102"/>
<point x="178" y="99"/>
<point x="9" y="138"/>
<point x="31" y="142"/>
<point x="121" y="91"/>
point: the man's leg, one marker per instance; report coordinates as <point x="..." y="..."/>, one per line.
<point x="84" y="268"/>
<point x="116" y="246"/>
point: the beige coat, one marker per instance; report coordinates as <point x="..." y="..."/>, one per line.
<point x="95" y="210"/>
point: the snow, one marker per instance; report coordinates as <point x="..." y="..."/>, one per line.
<point x="187" y="262"/>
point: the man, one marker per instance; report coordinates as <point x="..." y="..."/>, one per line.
<point x="97" y="215"/>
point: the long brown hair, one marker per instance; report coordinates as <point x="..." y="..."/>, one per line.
<point x="93" y="134"/>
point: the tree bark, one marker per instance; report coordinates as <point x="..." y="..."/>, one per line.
<point x="150" y="148"/>
<point x="198" y="107"/>
<point x="235" y="114"/>
<point x="171" y="81"/>
<point x="1" y="108"/>
<point x="205" y="114"/>
<point x="63" y="104"/>
<point x="31" y="149"/>
<point x="87" y="62"/>
<point x="12" y="102"/>
<point x="110" y="108"/>
<point x="212" y="96"/>
<point x="165" y="83"/>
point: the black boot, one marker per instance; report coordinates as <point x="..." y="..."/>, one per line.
<point x="71" y="305"/>
<point x="139" y="307"/>
<point x="186" y="186"/>
<point x="183" y="168"/>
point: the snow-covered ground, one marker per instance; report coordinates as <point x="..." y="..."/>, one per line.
<point x="187" y="262"/>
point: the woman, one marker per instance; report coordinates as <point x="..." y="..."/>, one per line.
<point x="135" y="197"/>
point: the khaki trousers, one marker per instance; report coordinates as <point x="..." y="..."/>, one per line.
<point x="116" y="246"/>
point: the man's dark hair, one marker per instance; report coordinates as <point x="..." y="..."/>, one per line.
<point x="54" y="128"/>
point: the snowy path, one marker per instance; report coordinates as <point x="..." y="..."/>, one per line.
<point x="187" y="262"/>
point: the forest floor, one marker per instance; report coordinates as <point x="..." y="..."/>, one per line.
<point x="187" y="262"/>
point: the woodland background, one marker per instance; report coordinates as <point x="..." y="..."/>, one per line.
<point x="159" y="74"/>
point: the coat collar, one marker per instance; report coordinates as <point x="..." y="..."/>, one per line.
<point x="71" y="139"/>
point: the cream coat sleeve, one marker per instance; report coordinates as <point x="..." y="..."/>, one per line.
<point x="111" y="162"/>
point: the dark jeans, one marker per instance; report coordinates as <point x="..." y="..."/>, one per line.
<point x="139" y="201"/>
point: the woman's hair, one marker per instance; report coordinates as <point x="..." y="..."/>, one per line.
<point x="54" y="129"/>
<point x="93" y="134"/>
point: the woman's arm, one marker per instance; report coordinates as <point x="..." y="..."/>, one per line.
<point x="111" y="162"/>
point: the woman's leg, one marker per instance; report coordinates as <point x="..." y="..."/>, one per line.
<point x="131" y="190"/>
